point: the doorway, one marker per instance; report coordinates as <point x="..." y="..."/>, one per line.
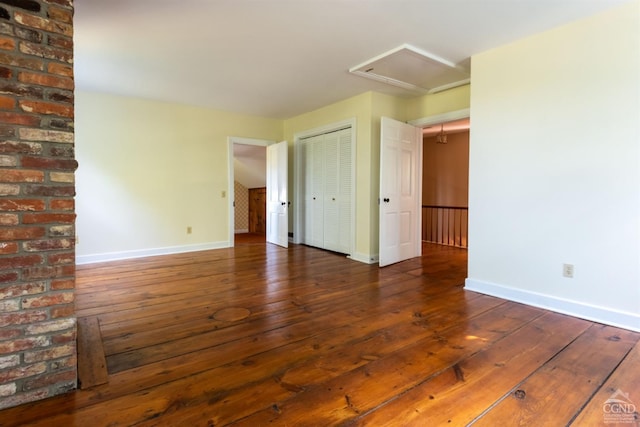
<point x="445" y="184"/>
<point x="445" y="194"/>
<point x="247" y="174"/>
<point x="440" y="221"/>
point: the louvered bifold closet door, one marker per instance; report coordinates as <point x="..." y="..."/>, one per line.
<point x="331" y="192"/>
<point x="345" y="191"/>
<point x="314" y="191"/>
<point x="305" y="183"/>
<point x="327" y="184"/>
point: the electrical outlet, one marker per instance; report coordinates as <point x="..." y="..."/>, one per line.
<point x="189" y="230"/>
<point x="567" y="270"/>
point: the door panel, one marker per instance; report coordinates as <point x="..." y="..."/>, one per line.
<point x="277" y="203"/>
<point x="345" y="192"/>
<point x="317" y="223"/>
<point x="331" y="191"/>
<point x="400" y="191"/>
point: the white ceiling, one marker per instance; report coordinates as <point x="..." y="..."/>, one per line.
<point x="281" y="58"/>
<point x="250" y="165"/>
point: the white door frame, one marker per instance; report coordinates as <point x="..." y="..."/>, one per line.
<point x="230" y="191"/>
<point x="437" y="119"/>
<point x="298" y="170"/>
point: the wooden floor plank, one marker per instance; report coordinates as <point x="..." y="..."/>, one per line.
<point x="281" y="328"/>
<point x="92" y="365"/>
<point x="279" y="358"/>
<point x="221" y="395"/>
<point x="561" y="384"/>
<point x="259" y="333"/>
<point x="340" y="360"/>
<point x="452" y="361"/>
<point x="471" y="385"/>
<point x="432" y="326"/>
<point x="235" y="395"/>
<point x="623" y="384"/>
<point x="139" y="334"/>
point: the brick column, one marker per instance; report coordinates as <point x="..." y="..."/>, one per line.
<point x="37" y="213"/>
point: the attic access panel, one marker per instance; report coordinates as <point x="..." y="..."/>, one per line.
<point x="413" y="69"/>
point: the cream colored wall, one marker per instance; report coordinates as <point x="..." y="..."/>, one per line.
<point x="567" y="189"/>
<point x="148" y="170"/>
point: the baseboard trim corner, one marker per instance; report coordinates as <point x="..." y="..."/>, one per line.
<point x="367" y="259"/>
<point x="607" y="316"/>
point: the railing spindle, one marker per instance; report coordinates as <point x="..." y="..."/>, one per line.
<point x="445" y="225"/>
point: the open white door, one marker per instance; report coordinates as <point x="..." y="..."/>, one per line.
<point x="400" y="191"/>
<point x="277" y="203"/>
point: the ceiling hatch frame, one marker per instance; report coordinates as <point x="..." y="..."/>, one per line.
<point x="431" y="73"/>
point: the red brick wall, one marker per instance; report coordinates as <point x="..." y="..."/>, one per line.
<point x="37" y="213"/>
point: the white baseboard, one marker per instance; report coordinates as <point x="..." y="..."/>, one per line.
<point x="594" y="313"/>
<point x="116" y="256"/>
<point x="241" y="231"/>
<point x="367" y="259"/>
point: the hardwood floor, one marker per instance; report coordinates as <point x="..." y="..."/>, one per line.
<point x="258" y="335"/>
<point x="249" y="238"/>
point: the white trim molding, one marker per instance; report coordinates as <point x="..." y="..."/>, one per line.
<point x="450" y="86"/>
<point x="594" y="313"/>
<point x="436" y="119"/>
<point x="367" y="259"/>
<point x="141" y="253"/>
